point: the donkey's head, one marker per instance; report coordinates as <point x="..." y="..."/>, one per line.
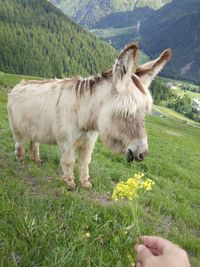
<point x="122" y="119"/>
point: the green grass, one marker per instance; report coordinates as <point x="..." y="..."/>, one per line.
<point x="191" y="94"/>
<point x="143" y="58"/>
<point x="9" y="80"/>
<point x="43" y="224"/>
<point x="112" y="32"/>
<point x="175" y="115"/>
<point x="118" y="37"/>
<point x="180" y="84"/>
<point x="185" y="83"/>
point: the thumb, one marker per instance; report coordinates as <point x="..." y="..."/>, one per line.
<point x="143" y="253"/>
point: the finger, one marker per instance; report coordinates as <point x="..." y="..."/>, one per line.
<point x="143" y="253"/>
<point x="156" y="242"/>
<point x="139" y="264"/>
<point x="155" y="252"/>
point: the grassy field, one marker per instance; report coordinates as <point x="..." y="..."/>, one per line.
<point x="179" y="84"/>
<point x="119" y="37"/>
<point x="191" y="94"/>
<point x="175" y="115"/>
<point x="44" y="224"/>
<point x="9" y="80"/>
<point x="112" y="32"/>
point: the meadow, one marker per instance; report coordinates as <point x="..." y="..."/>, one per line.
<point x="179" y="85"/>
<point x="191" y="94"/>
<point x="170" y="113"/>
<point x="44" y="224"/>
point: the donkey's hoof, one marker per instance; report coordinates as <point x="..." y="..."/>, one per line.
<point x="38" y="161"/>
<point x="70" y="183"/>
<point x="86" y="184"/>
<point x="20" y="159"/>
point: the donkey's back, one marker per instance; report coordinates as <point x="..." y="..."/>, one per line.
<point x="32" y="109"/>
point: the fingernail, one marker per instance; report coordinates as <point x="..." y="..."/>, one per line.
<point x="139" y="248"/>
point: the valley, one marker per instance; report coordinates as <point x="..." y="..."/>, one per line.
<point x="88" y="13"/>
<point x="172" y="24"/>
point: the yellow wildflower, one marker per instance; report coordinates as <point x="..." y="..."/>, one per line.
<point x="87" y="234"/>
<point x="147" y="185"/>
<point x="131" y="188"/>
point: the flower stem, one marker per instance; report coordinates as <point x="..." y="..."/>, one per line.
<point x="134" y="209"/>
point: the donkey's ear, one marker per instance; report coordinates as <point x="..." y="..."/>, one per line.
<point x="126" y="62"/>
<point x="148" y="71"/>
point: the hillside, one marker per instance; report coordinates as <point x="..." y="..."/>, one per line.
<point x="120" y="28"/>
<point x="43" y="224"/>
<point x="124" y="19"/>
<point x="88" y="13"/>
<point x="175" y="25"/>
<point x="38" y="39"/>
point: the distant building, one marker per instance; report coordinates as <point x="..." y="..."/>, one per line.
<point x="170" y="85"/>
<point x="197" y="103"/>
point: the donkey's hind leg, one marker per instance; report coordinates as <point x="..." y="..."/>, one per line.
<point x="19" y="151"/>
<point x="35" y="152"/>
<point x="18" y="137"/>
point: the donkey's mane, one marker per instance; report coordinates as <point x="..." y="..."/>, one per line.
<point x="89" y="84"/>
<point x="83" y="85"/>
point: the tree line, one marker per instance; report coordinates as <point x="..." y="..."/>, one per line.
<point x="37" y="39"/>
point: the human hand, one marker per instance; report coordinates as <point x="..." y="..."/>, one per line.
<point x="158" y="252"/>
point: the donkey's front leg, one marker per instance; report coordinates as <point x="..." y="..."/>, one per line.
<point x="67" y="162"/>
<point x="85" y="153"/>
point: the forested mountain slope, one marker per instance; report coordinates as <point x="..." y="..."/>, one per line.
<point x="38" y="39"/>
<point x="124" y="19"/>
<point x="176" y="25"/>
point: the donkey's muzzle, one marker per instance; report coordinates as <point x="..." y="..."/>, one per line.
<point x="130" y="156"/>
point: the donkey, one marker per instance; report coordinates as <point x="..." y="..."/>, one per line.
<point x="71" y="112"/>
